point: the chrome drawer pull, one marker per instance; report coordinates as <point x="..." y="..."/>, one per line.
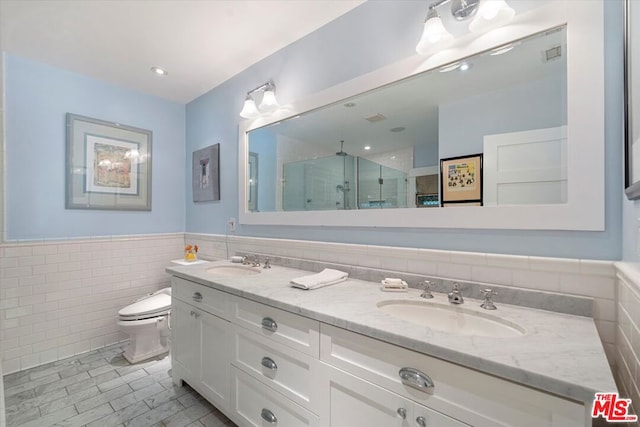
<point x="268" y="416"/>
<point x="416" y="379"/>
<point x="421" y="421"/>
<point x="197" y="296"/>
<point x="269" y="324"/>
<point x="402" y="412"/>
<point x="268" y="363"/>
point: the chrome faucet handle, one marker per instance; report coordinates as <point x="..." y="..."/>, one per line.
<point x="488" y="301"/>
<point x="426" y="293"/>
<point x="256" y="261"/>
<point x="246" y="260"/>
<point x="267" y="263"/>
<point x="455" y="297"/>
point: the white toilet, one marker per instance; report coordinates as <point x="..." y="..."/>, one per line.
<point x="146" y="321"/>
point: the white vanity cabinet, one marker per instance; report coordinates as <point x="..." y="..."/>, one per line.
<point x="263" y="366"/>
<point x="200" y="340"/>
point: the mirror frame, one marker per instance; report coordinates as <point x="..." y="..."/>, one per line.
<point x="585" y="206"/>
<point x="631" y="108"/>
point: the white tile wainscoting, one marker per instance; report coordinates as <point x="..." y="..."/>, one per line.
<point x="628" y="332"/>
<point x="61" y="298"/>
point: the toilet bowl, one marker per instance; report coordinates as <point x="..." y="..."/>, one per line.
<point x="146" y="321"/>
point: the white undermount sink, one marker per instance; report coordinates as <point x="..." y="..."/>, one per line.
<point x="233" y="270"/>
<point x="455" y="320"/>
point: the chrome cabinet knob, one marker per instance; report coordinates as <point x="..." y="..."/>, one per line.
<point x="197" y="296"/>
<point x="402" y="413"/>
<point x="421" y="421"/>
<point x="268" y="363"/>
<point x="269" y="324"/>
<point x="268" y="416"/>
<point x="416" y="379"/>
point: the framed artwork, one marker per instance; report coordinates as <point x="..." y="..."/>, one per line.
<point x="108" y="165"/>
<point x="632" y="103"/>
<point x="206" y="174"/>
<point x="461" y="180"/>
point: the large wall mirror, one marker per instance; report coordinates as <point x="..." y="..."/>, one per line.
<point x="372" y="158"/>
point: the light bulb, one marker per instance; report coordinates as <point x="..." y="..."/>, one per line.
<point x="249" y="110"/>
<point x="492" y="14"/>
<point x="434" y="34"/>
<point x="269" y="102"/>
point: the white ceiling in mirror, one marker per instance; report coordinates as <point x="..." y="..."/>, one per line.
<point x="584" y="209"/>
<point x="409" y="108"/>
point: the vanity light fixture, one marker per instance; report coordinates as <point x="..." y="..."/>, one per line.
<point x="268" y="104"/>
<point x="486" y="14"/>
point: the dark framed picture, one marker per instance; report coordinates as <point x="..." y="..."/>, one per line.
<point x="206" y="174"/>
<point x="108" y="165"/>
<point x="632" y="105"/>
<point x="461" y="180"/>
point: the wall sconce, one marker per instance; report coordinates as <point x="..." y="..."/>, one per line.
<point x="268" y="104"/>
<point x="486" y="14"/>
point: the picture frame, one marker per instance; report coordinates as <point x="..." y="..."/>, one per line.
<point x="206" y="174"/>
<point x="108" y="165"/>
<point x="631" y="104"/>
<point x="461" y="180"/>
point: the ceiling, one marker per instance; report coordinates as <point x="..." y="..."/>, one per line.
<point x="201" y="43"/>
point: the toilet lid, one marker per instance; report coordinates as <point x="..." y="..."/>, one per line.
<point x="148" y="307"/>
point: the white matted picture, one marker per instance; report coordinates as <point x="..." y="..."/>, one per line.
<point x="206" y="174"/>
<point x="108" y="165"/>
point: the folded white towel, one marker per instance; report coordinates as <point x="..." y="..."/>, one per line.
<point x="326" y="277"/>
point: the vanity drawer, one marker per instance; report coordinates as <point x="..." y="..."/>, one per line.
<point x="297" y="332"/>
<point x="287" y="371"/>
<point x="255" y="404"/>
<point x="475" y="398"/>
<point x="206" y="298"/>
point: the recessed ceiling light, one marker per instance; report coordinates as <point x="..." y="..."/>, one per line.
<point x="367" y="147"/>
<point x="501" y="50"/>
<point x="464" y="66"/>
<point x="450" y="67"/>
<point x="159" y="71"/>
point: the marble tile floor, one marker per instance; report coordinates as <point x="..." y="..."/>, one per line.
<point x="102" y="389"/>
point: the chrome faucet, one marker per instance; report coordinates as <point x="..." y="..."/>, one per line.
<point x="426" y="293"/>
<point x="455" y="297"/>
<point x="267" y="263"/>
<point x="488" y="301"/>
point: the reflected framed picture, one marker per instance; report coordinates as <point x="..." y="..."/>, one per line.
<point x="632" y="103"/>
<point x="108" y="165"/>
<point x="461" y="180"/>
<point x="206" y="174"/>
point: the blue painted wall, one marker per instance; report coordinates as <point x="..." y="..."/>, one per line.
<point x="37" y="98"/>
<point x="369" y="37"/>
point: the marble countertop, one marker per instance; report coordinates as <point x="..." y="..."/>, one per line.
<point x="559" y="353"/>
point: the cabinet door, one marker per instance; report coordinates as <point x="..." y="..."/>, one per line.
<point x="215" y="359"/>
<point x="185" y="342"/>
<point x="351" y="401"/>
<point x="356" y="402"/>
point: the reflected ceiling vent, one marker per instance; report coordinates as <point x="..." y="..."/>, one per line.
<point x="397" y="129"/>
<point x="552" y="54"/>
<point x="376" y="118"/>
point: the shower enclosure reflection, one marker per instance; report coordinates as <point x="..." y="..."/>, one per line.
<point x="342" y="181"/>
